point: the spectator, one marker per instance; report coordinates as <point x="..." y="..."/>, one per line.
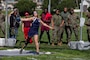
<point x="74" y="23"/>
<point x="26" y="26"/>
<point x="88" y="25"/>
<point x="2" y="22"/>
<point x="57" y="23"/>
<point x="65" y="15"/>
<point x="46" y="18"/>
<point x="14" y="24"/>
<point x="17" y="21"/>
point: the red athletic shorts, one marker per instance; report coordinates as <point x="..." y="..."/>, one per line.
<point x="26" y="30"/>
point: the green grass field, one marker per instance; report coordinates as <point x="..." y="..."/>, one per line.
<point x="59" y="52"/>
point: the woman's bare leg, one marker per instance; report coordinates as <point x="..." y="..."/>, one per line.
<point x="36" y="42"/>
<point x="25" y="44"/>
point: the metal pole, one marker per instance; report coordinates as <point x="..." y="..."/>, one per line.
<point x="49" y="6"/>
<point x="6" y="21"/>
<point x="81" y="7"/>
<point x="77" y="3"/>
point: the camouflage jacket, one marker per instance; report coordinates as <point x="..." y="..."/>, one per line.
<point x="57" y="19"/>
<point x="73" y="20"/>
<point x="2" y="18"/>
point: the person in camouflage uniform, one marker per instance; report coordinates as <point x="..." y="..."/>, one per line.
<point x="2" y="22"/>
<point x="57" y="24"/>
<point x="66" y="26"/>
<point x="74" y="22"/>
<point x="88" y="25"/>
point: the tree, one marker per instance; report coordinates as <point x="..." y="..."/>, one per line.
<point x="54" y="4"/>
<point x="67" y="3"/>
<point x="25" y="6"/>
<point x="60" y="4"/>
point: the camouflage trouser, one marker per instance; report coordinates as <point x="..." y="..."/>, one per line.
<point x="76" y="32"/>
<point x="57" y="34"/>
<point x="68" y="31"/>
<point x="2" y="27"/>
<point x="88" y="33"/>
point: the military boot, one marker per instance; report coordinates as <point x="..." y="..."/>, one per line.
<point x="59" y="43"/>
<point x="53" y="44"/>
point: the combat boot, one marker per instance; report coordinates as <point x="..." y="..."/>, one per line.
<point x="59" y="43"/>
<point x="53" y="44"/>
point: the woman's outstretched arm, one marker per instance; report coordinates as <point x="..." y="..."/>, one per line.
<point x="46" y="24"/>
<point x="27" y="19"/>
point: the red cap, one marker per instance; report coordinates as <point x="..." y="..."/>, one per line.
<point x="26" y="13"/>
